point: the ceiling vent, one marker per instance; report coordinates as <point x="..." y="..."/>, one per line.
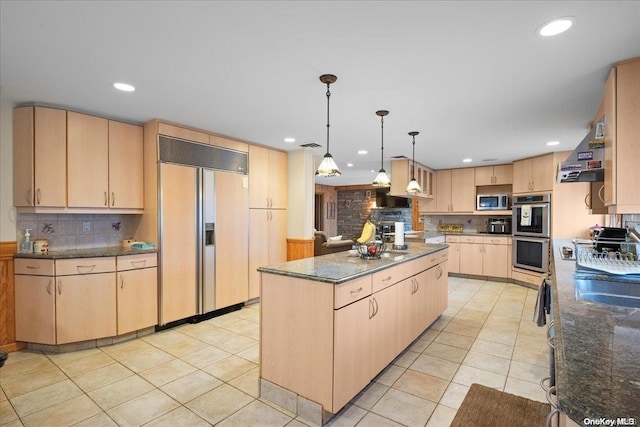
<point x="310" y="145"/>
<point x="399" y="157"/>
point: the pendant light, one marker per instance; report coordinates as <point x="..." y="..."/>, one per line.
<point x="382" y="180"/>
<point x="413" y="186"/>
<point x="328" y="166"/>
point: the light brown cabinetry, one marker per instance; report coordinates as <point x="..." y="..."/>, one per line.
<point x="104" y="163"/>
<point x="373" y="318"/>
<point x="622" y="138"/>
<point x="534" y="174"/>
<point x="35" y="301"/>
<point x="494" y="175"/>
<point x="480" y="255"/>
<point x="136" y="292"/>
<point x="455" y="190"/>
<point x="267" y="243"/>
<point x="39" y="157"/>
<point x="401" y="175"/>
<point x="267" y="178"/>
<point x="454" y="253"/>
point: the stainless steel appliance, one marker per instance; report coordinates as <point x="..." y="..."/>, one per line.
<point x="187" y="225"/>
<point x="486" y="202"/>
<point x="530" y="253"/>
<point x="531" y="215"/>
<point x="499" y="226"/>
<point x="531" y="223"/>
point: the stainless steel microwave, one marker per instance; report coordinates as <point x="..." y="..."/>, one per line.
<point x="486" y="202"/>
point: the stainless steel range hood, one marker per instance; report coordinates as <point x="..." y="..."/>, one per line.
<point x="586" y="163"/>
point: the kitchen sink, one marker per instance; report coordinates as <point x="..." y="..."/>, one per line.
<point x="606" y="290"/>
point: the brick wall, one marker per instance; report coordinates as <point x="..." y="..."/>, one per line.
<point x="354" y="208"/>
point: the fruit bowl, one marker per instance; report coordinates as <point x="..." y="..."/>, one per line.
<point x="371" y="250"/>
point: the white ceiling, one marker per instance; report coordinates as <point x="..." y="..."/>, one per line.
<point x="471" y="76"/>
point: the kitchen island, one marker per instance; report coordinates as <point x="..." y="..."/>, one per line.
<point x="597" y="352"/>
<point x="330" y="324"/>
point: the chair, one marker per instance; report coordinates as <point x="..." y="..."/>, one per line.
<point x="322" y="245"/>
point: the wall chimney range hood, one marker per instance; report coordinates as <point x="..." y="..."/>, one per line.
<point x="586" y="163"/>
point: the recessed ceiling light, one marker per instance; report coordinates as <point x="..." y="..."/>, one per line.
<point x="467" y="160"/>
<point x="372" y="171"/>
<point x="556" y="26"/>
<point x="349" y="165"/>
<point x="553" y="143"/>
<point x="124" y="87"/>
<point x="362" y="152"/>
<point x="290" y="140"/>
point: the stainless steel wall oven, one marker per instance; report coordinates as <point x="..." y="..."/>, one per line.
<point x="531" y="224"/>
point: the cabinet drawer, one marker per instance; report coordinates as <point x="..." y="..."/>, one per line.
<point x="388" y="277"/>
<point x="349" y="292"/>
<point x="427" y="261"/>
<point x="34" y="267"/>
<point x="133" y="262"/>
<point x="453" y="239"/>
<point x="67" y="267"/>
<point x="531" y="278"/>
<point x="497" y="240"/>
<point x="472" y="239"/>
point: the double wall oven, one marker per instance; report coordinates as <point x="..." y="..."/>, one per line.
<point x="531" y="224"/>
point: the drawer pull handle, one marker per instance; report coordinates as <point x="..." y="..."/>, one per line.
<point x="113" y="198"/>
<point x="59" y="286"/>
<point x="356" y="291"/>
<point x="33" y="267"/>
<point x="38" y="196"/>
<point x="106" y="199"/>
<point x="88" y="268"/>
<point x="141" y="263"/>
<point x="386" y="279"/>
<point x="49" y="287"/>
<point x="121" y="282"/>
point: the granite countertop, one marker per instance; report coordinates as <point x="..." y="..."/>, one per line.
<point x="597" y="351"/>
<point x="343" y="266"/>
<point x="88" y="253"/>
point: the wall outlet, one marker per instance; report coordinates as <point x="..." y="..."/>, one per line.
<point x="86" y="227"/>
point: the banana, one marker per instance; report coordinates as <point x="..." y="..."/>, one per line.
<point x="368" y="233"/>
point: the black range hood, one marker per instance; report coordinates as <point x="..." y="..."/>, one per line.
<point x="586" y="163"/>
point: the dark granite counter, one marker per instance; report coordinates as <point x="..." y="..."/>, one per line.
<point x="340" y="267"/>
<point x="88" y="253"/>
<point x="597" y="351"/>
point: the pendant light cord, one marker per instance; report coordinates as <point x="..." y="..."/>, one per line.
<point x="382" y="144"/>
<point x="413" y="164"/>
<point x="328" y="95"/>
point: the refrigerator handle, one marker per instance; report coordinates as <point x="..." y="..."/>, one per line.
<point x="209" y="234"/>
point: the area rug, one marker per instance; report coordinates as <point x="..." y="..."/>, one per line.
<point x="488" y="407"/>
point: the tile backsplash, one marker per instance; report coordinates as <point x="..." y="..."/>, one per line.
<point x="77" y="231"/>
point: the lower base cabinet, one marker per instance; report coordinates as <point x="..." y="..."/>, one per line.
<point x="137" y="292"/>
<point x="373" y="321"/>
<point x="480" y="255"/>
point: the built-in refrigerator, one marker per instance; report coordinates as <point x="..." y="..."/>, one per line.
<point x="189" y="228"/>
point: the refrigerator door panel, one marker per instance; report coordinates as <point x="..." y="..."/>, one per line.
<point x="178" y="244"/>
<point x="209" y="241"/>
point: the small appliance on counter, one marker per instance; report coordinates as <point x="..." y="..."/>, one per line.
<point x="499" y="226"/>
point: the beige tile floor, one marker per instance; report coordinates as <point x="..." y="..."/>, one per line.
<point x="207" y="373"/>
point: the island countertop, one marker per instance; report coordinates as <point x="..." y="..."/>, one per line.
<point x="597" y="351"/>
<point x="340" y="267"/>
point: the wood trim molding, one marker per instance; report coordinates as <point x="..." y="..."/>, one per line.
<point x="7" y="299"/>
<point x="299" y="249"/>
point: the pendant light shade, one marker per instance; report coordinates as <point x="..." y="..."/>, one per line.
<point x="413" y="186"/>
<point x="382" y="180"/>
<point x="328" y="166"/>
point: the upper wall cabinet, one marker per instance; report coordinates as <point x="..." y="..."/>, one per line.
<point x="494" y="175"/>
<point x="534" y="174"/>
<point x="622" y="138"/>
<point x="267" y="178"/>
<point x="455" y="190"/>
<point x="401" y="175"/>
<point x="104" y="164"/>
<point x="39" y="157"/>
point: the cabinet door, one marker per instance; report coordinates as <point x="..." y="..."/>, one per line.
<point x="406" y="296"/>
<point x="258" y="247"/>
<point x="277" y="179"/>
<point x="471" y="258"/>
<point x="610" y="139"/>
<point x="463" y="190"/>
<point x="426" y="181"/>
<point x="495" y="260"/>
<point x="542" y="173"/>
<point x="384" y="343"/>
<point x="87" y="161"/>
<point x="423" y="296"/>
<point x="258" y="177"/>
<point x="277" y="236"/>
<point x="35" y="309"/>
<point x="484" y="175"/>
<point x="137" y="299"/>
<point x="232" y="240"/>
<point x="400" y="176"/>
<point x="502" y="175"/>
<point x="85" y="307"/>
<point x="454" y="257"/>
<point x="443" y="190"/>
<point x="352" y="351"/>
<point x="125" y="166"/>
<point x="522" y="176"/>
<point x="442" y="285"/>
<point x="23" y="152"/>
